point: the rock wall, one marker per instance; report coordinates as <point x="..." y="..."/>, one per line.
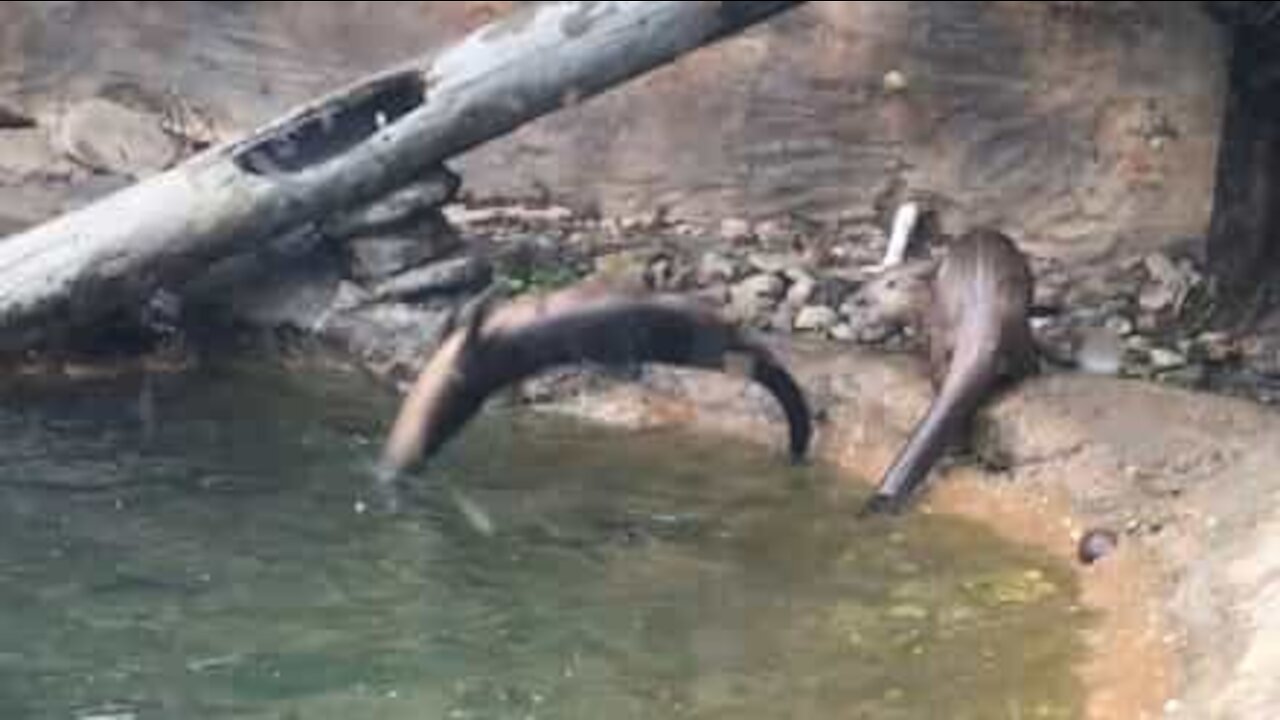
<point x="1083" y="127"/>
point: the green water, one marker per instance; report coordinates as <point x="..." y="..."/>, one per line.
<point x="198" y="550"/>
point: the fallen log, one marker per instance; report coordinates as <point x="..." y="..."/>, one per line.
<point x="339" y="153"/>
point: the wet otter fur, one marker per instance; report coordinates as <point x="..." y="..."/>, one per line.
<point x="580" y="324"/>
<point x="979" y="337"/>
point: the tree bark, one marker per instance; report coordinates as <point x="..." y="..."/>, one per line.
<point x="1244" y="232"/>
<point x="338" y="153"/>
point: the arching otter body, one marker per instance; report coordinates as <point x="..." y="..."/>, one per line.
<point x="978" y="335"/>
<point x="571" y="326"/>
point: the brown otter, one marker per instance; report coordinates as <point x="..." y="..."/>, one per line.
<point x="583" y="324"/>
<point x="978" y="335"/>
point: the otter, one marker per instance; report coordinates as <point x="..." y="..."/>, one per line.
<point x="580" y="324"/>
<point x="979" y="335"/>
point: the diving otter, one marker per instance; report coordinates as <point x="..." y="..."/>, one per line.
<point x="978" y="335"/>
<point x="579" y="324"/>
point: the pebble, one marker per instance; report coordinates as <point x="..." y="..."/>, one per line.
<point x="816" y="318"/>
<point x="735" y="230"/>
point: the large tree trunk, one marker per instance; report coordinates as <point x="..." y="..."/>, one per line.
<point x="1244" y="233"/>
<point x="340" y="152"/>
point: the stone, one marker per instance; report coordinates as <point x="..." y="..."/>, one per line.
<point x="1100" y="352"/>
<point x="108" y="137"/>
<point x="736" y="230"/>
<point x="1120" y="325"/>
<point x="894" y="81"/>
<point x="816" y="318"/>
<point x="714" y="267"/>
<point x="392" y="213"/>
<point x="1165" y="359"/>
<point x="778" y="263"/>
<point x="1262" y="355"/>
<point x="446" y="277"/>
<point x="391" y="338"/>
<point x="843" y="332"/>
<point x="782" y="320"/>
<point x="717" y="294"/>
<point x="756" y="296"/>
<point x="1158" y="298"/>
<point x="376" y="258"/>
<point x="13" y="119"/>
<point x="774" y="233"/>
<point x="803" y="288"/>
<point x="1217" y="347"/>
<point x="1168" y="284"/>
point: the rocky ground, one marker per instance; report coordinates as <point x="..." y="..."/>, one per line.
<point x="1143" y="317"/>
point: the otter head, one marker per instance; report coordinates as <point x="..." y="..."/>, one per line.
<point x="893" y="298"/>
<point x="448" y="392"/>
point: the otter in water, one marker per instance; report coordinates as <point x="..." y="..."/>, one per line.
<point x="584" y="324"/>
<point x="978" y="336"/>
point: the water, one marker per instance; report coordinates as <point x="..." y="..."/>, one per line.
<point x="196" y="549"/>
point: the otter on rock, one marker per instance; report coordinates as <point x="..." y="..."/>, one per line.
<point x="978" y="337"/>
<point x="610" y="327"/>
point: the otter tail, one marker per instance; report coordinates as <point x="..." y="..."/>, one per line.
<point x="768" y="372"/>
<point x="967" y="382"/>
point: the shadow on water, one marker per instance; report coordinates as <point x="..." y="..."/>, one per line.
<point x="196" y="549"/>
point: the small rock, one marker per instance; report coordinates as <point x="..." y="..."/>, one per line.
<point x="1168" y="286"/>
<point x="714" y="267"/>
<point x="908" y="612"/>
<point x="843" y="332"/>
<point x="1261" y="354"/>
<point x="1096" y="544"/>
<point x="624" y="268"/>
<point x="12" y="119"/>
<point x="1166" y="359"/>
<point x="774" y="233"/>
<point x="1148" y="323"/>
<point x="107" y="712"/>
<point x="109" y="137"/>
<point x="1217" y="347"/>
<point x="1120" y="325"/>
<point x="735" y="230"/>
<point x="803" y="287"/>
<point x="766" y="285"/>
<point x="778" y="263"/>
<point x="717" y="294"/>
<point x="1158" y="298"/>
<point x="1101" y="352"/>
<point x="816" y="318"/>
<point x="756" y="296"/>
<point x="782" y="320"/>
<point x="379" y="257"/>
<point x="446" y="277"/>
<point x="894" y="81"/>
<point x="660" y="273"/>
<point x="873" y="333"/>
<point x="638" y="223"/>
<point x="407" y="206"/>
